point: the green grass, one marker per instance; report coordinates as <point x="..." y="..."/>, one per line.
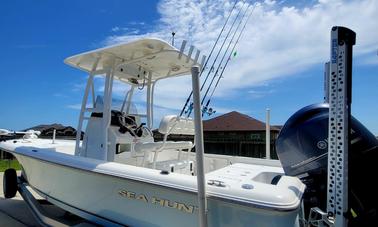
<point x="6" y="164"/>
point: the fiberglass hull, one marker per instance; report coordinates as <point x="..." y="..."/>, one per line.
<point x="134" y="203"/>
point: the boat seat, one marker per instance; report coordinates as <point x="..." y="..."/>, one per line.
<point x="173" y="124"/>
<point x="177" y="166"/>
<point x="154" y="146"/>
<point x="170" y="124"/>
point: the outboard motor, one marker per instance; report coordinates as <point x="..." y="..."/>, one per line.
<point x="302" y="149"/>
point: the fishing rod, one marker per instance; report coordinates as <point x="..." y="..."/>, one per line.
<point x="220" y="49"/>
<point x="211" y="52"/>
<point x="224" y="67"/>
<point x="212" y="66"/>
<point x="224" y="55"/>
<point x="216" y="57"/>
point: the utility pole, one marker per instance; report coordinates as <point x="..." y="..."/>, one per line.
<point x="267" y="134"/>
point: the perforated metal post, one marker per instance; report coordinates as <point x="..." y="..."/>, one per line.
<point x="342" y="41"/>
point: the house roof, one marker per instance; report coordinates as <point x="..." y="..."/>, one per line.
<point x="44" y="127"/>
<point x="234" y="121"/>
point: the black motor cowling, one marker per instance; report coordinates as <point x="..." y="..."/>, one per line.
<point x="302" y="148"/>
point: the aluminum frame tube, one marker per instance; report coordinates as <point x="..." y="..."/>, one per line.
<point x="202" y="212"/>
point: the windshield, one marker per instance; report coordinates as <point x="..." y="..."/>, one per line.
<point x="116" y="105"/>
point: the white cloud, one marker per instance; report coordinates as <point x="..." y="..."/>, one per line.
<point x="257" y="94"/>
<point x="280" y="40"/>
<point x="115" y="29"/>
<point x="119" y="89"/>
<point x="269" y="2"/>
<point x="74" y="106"/>
<point x="369" y="59"/>
<point x="136" y="23"/>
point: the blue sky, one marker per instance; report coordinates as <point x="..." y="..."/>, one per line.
<point x="279" y="63"/>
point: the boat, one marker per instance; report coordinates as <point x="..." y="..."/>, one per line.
<point x="118" y="174"/>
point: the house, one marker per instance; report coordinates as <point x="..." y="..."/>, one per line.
<point x="233" y="133"/>
<point x="62" y="131"/>
<point x="238" y="134"/>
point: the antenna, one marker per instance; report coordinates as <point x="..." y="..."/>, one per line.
<point x="173" y="38"/>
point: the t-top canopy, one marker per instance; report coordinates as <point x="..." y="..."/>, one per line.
<point x="134" y="61"/>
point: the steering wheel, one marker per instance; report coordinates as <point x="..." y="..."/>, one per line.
<point x="127" y="124"/>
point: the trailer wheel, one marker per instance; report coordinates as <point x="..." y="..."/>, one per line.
<point x="10" y="183"/>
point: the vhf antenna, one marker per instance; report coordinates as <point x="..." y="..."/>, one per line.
<point x="173" y="38"/>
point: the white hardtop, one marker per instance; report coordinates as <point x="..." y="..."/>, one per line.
<point x="133" y="61"/>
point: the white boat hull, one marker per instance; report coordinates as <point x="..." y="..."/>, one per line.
<point x="136" y="203"/>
